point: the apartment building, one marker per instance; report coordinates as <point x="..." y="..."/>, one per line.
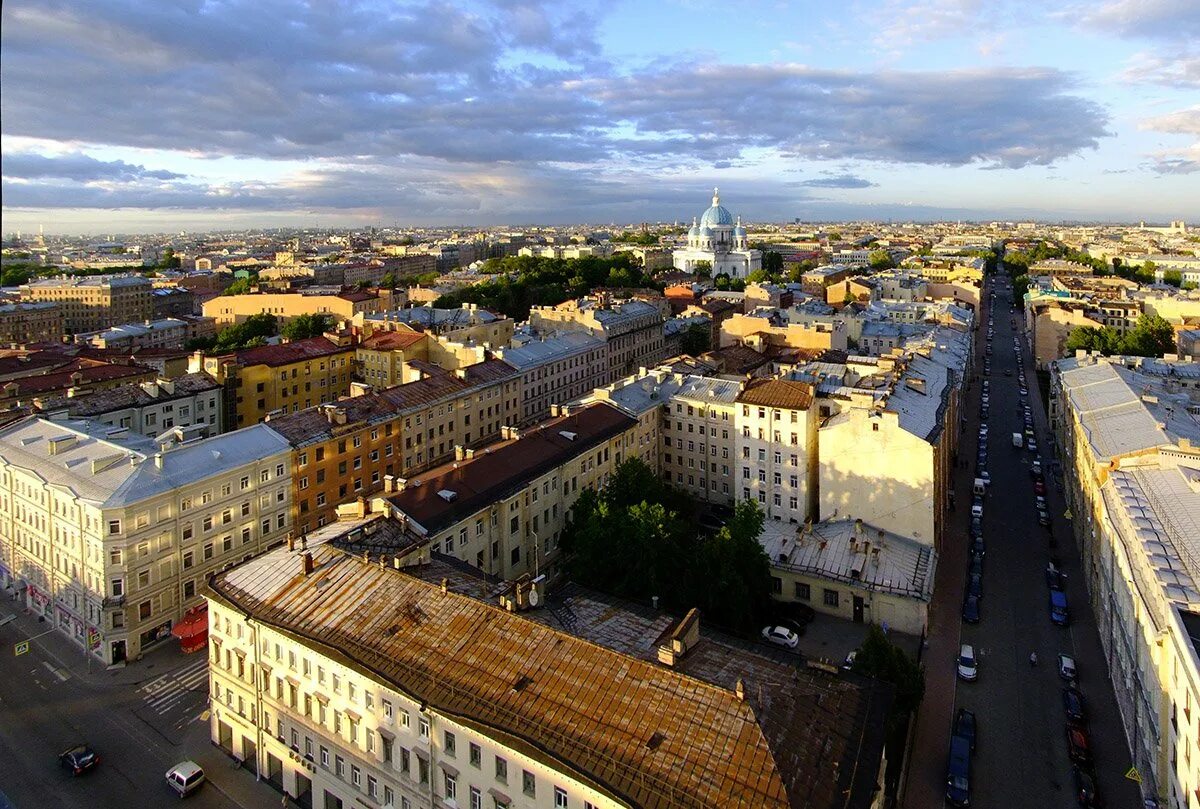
<point x="91" y="303"/>
<point x="467" y="324"/>
<point x="776" y="448"/>
<point x="888" y="434"/>
<point x="816" y="280"/>
<point x="25" y="323"/>
<point x="171" y="332"/>
<point x="381" y="357"/>
<point x="341" y="305"/>
<point x="281" y="378"/>
<point x="148" y="408"/>
<point x="347" y="449"/>
<point x="688" y="423"/>
<point x="110" y="535"/>
<point x="633" y="330"/>
<point x="551" y="716"/>
<point x="68" y="376"/>
<point x="1129" y="429"/>
<point x="557" y="369"/>
<point x="502" y="508"/>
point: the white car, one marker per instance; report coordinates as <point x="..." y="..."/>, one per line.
<point x="185" y="778"/>
<point x="780" y="636"/>
<point x="968" y="668"/>
<point x="983" y="429"/>
<point x="1066" y="667"/>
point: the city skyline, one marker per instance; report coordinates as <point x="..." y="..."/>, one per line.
<point x="526" y="112"/>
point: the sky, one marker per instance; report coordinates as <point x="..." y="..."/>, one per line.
<point x="168" y="115"/>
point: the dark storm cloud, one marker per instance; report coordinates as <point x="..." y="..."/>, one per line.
<point x="78" y="167"/>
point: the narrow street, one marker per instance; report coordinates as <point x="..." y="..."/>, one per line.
<point x="1021" y="757"/>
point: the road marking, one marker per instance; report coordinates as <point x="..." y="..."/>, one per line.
<point x="165" y="692"/>
<point x="62" y="677"/>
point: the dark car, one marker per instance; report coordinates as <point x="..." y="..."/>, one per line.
<point x="958" y="772"/>
<point x="1008" y="372"/>
<point x="1054" y="577"/>
<point x="977" y="546"/>
<point x="976" y="527"/>
<point x="1043" y="518"/>
<point x="970" y="611"/>
<point x="79" y="759"/>
<point x="1085" y="789"/>
<point x="976" y="567"/>
<point x="1078" y="747"/>
<point x="975" y="586"/>
<point x="964" y="726"/>
<point x="1039" y="486"/>
<point x="1073" y="705"/>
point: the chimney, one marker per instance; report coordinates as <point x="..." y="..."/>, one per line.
<point x="739" y="689"/>
<point x="445" y="585"/>
<point x="291" y="543"/>
<point x="158" y="460"/>
<point x="309" y="566"/>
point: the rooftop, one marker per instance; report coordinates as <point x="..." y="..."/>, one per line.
<point x="287" y="353"/>
<point x="781" y="393"/>
<point x="105" y="401"/>
<point x="391" y="340"/>
<point x="536" y="353"/>
<point x="503" y="468"/>
<point x="647" y="734"/>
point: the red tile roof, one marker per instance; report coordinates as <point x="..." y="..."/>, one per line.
<point x="392" y="340"/>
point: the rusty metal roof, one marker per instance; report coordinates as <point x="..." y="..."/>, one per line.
<point x="648" y="735"/>
<point x="287" y="353"/>
<point x="783" y="393"/>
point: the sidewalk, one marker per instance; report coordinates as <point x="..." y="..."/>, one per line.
<point x="924" y="784"/>
<point x="70" y="660"/>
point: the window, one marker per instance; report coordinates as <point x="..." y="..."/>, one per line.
<point x="114" y="526"/>
<point x="339" y="767"/>
<point x="450" y="744"/>
<point x="424" y="728"/>
<point x="355" y="776"/>
<point x="475" y="755"/>
<point x="372" y="786"/>
<point x="560" y="798"/>
<point x="776" y="585"/>
<point x="325" y="757"/>
<point x="476" y="798"/>
<point x="501" y="770"/>
<point x="831" y="598"/>
<point x="528" y="783"/>
<point x="451" y="783"/>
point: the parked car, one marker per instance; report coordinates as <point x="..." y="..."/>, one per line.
<point x="976" y="566"/>
<point x="977" y="545"/>
<point x="976" y="527"/>
<point x="1073" y="705"/>
<point x="1008" y="371"/>
<point x="185" y="778"/>
<point x="964" y="726"/>
<point x="1085" y="789"/>
<point x="1039" y="486"/>
<point x="970" y="611"/>
<point x="1066" y="667"/>
<point x="968" y="668"/>
<point x="1032" y="445"/>
<point x="958" y="772"/>
<point x="780" y="636"/>
<point x="78" y="759"/>
<point x="1059" y="614"/>
<point x="1077" y="745"/>
<point x="848" y="663"/>
<point x="1054" y="577"/>
<point x="975" y="586"/>
<point x="1043" y="518"/>
<point x="796" y="626"/>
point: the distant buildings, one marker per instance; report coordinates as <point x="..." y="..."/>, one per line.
<point x="341" y="305"/>
<point x="719" y="241"/>
<point x="92" y="303"/>
<point x="633" y="330"/>
<point x="149" y="408"/>
<point x="24" y="323"/>
<point x="166" y="333"/>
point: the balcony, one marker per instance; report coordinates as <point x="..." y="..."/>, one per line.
<point x="113" y="601"/>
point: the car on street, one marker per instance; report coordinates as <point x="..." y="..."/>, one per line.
<point x="976" y="567"/>
<point x="1032" y="445"/>
<point x="975" y="586"/>
<point x="1054" y="577"/>
<point x="1073" y="705"/>
<point x="1043" y="518"/>
<point x="780" y="636"/>
<point x="1036" y="468"/>
<point x="1008" y="371"/>
<point x="185" y="778"/>
<point x="958" y="772"/>
<point x="968" y="668"/>
<point x="1039" y="486"/>
<point x="78" y="759"/>
<point x="976" y="527"/>
<point x="1085" y="789"/>
<point x="1059" y="614"/>
<point x="1066" y="667"/>
<point x="970" y="611"/>
<point x="983" y="412"/>
<point x="977" y="545"/>
<point x="848" y="663"/>
<point x="985" y="477"/>
<point x="796" y="626"/>
<point x="1078" y="747"/>
<point x="965" y="727"/>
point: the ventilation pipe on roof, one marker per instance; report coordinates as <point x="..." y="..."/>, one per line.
<point x="309" y="566"/>
<point x="739" y="689"/>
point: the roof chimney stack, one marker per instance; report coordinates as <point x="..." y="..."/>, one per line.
<point x="309" y="566"/>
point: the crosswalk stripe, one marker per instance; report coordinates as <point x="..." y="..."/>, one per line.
<point x="163" y="693"/>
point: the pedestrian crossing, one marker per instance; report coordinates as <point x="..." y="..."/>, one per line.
<point x="164" y="694"/>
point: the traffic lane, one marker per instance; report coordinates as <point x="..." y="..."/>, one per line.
<point x="44" y="715"/>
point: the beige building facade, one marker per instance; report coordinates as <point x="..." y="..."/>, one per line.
<point x="91" y="303"/>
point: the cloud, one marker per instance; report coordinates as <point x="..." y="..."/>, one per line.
<point x="78" y="167"/>
<point x="837" y="181"/>
<point x="1181" y="122"/>
<point x="1174" y="70"/>
<point x="905" y="23"/>
<point x="1149" y="19"/>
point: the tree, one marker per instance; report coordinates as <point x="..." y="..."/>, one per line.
<point x="798" y="270"/>
<point x="880" y="260"/>
<point x="696" y="339"/>
<point x="14" y="276"/>
<point x="1173" y="277"/>
<point x="1150" y="337"/>
<point x="388" y="281"/>
<point x="250" y="332"/>
<point x="1091" y="338"/>
<point x="168" y="260"/>
<point x="702" y="269"/>
<point x="772" y="263"/>
<point x="303" y="327"/>
<point x="721" y="281"/>
<point x="1020" y="287"/>
<point x="878" y="657"/>
<point x="757" y="277"/>
<point x="240" y="286"/>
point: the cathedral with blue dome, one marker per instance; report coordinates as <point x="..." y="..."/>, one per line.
<point x="721" y="241"/>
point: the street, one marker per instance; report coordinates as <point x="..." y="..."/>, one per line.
<point x="141" y="720"/>
<point x="1022" y="757"/>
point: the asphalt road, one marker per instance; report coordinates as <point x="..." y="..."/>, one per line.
<point x="1021" y="758"/>
<point x="139" y="731"/>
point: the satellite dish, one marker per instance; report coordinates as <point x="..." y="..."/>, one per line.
<point x="534" y="598"/>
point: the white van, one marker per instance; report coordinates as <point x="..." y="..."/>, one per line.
<point x="980" y="486"/>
